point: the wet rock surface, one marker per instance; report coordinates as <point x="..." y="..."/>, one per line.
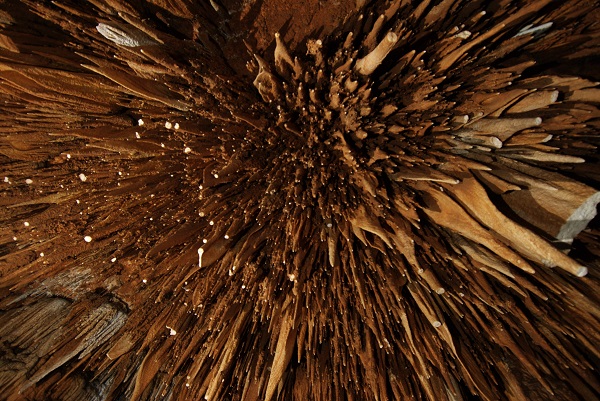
<point x="252" y="200"/>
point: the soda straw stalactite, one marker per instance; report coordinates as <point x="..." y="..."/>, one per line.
<point x="401" y="209"/>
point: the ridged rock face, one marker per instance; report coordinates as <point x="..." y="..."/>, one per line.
<point x="384" y="213"/>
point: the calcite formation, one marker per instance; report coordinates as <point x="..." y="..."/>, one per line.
<point x="398" y="210"/>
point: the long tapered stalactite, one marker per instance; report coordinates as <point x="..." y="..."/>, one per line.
<point x="197" y="205"/>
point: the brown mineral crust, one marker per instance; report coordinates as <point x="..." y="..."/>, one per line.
<point x="309" y="18"/>
<point x="190" y="213"/>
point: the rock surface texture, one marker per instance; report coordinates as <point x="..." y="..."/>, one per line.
<point x="367" y="200"/>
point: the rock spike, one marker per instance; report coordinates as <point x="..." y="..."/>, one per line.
<point x="282" y="56"/>
<point x="371" y="40"/>
<point x="368" y="64"/>
<point x="124" y="35"/>
<point x="348" y="41"/>
<point x="267" y="84"/>
<point x="534" y="101"/>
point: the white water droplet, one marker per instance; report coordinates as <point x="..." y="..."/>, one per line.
<point x="200" y="252"/>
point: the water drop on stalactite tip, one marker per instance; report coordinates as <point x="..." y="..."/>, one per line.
<point x="384" y="200"/>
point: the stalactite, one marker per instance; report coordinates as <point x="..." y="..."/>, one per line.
<point x="402" y="206"/>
